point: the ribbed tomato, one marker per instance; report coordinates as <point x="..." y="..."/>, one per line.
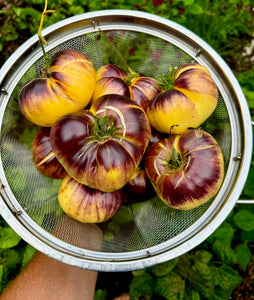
<point x="88" y="205"/>
<point x="186" y="170"/>
<point x="43" y="156"/>
<point x="102" y="147"/>
<point x="188" y="104"/>
<point x="139" y="188"/>
<point x="111" y="79"/>
<point x="67" y="88"/>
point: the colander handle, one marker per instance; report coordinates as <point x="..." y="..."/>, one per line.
<point x="248" y="201"/>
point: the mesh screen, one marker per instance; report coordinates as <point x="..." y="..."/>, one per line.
<point x="136" y="226"/>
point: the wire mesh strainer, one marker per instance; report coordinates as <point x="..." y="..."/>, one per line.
<point x="142" y="234"/>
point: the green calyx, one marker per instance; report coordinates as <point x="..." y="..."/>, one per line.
<point x="130" y="76"/>
<point x="175" y="160"/>
<point x="103" y="127"/>
<point x="166" y="81"/>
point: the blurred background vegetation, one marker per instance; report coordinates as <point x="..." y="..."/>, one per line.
<point x="223" y="266"/>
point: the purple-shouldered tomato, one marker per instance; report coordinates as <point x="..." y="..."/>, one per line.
<point x="103" y="146"/>
<point x="68" y="88"/>
<point x="186" y="170"/>
<point x="191" y="100"/>
<point x="139" y="188"/>
<point x="43" y="156"/>
<point x="88" y="205"/>
<point x="111" y="79"/>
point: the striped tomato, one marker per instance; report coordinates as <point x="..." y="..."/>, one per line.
<point x="186" y="170"/>
<point x="111" y="79"/>
<point x="102" y="147"/>
<point x="188" y="104"/>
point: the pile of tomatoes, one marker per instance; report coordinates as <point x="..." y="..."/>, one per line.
<point x="114" y="137"/>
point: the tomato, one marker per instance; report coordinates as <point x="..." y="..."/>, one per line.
<point x="43" y="156"/>
<point x="103" y="146"/>
<point x="139" y="188"/>
<point x="188" y="104"/>
<point x="186" y="170"/>
<point x="88" y="205"/>
<point x="113" y="79"/>
<point x="68" y="88"/>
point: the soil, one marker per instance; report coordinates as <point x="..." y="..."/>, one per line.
<point x="245" y="291"/>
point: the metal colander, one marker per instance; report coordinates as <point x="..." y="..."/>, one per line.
<point x="140" y="234"/>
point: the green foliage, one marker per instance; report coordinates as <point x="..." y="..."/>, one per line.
<point x="170" y="287"/>
<point x="100" y="294"/>
<point x="207" y="272"/>
<point x="8" y="238"/>
<point x="164" y="269"/>
<point x="14" y="254"/>
<point x="226" y="25"/>
<point x="142" y="286"/>
<point x="246" y="80"/>
<point x="244" y="219"/>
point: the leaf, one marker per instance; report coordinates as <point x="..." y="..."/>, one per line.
<point x="224" y="233"/>
<point x="247" y="236"/>
<point x="188" y="2"/>
<point x="224" y="252"/>
<point x="228" y="279"/>
<point x="8" y="238"/>
<point x="77" y="10"/>
<point x="243" y="255"/>
<point x="195" y="9"/>
<point x="10" y="259"/>
<point x="1" y="271"/>
<point x="203" y="256"/>
<point x="248" y="189"/>
<point x="171" y="286"/>
<point x="28" y="254"/>
<point x="250" y="99"/>
<point x="27" y="11"/>
<point x="194" y="295"/>
<point x="100" y="294"/>
<point x="164" y="268"/>
<point x="138" y="272"/>
<point x="203" y="270"/>
<point x="244" y="219"/>
<point x="191" y="294"/>
<point x="35" y="1"/>
<point x="141" y="287"/>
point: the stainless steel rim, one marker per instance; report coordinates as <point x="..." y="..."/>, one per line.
<point x="240" y="156"/>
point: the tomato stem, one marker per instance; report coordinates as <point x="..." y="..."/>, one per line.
<point x="175" y="159"/>
<point x="42" y="41"/>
